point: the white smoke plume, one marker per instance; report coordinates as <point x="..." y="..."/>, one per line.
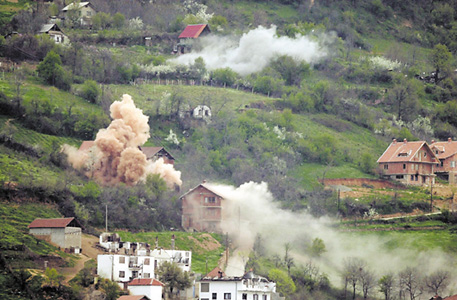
<point x="115" y="156"/>
<point x="253" y="51"/>
<point x="250" y="210"/>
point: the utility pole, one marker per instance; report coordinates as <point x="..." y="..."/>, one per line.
<point x="106" y="217"/>
<point x="431" y="194"/>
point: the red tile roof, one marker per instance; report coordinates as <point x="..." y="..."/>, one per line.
<point x="445" y="149"/>
<point x="451" y="298"/>
<point x="51" y="223"/>
<point x="192" y="31"/>
<point x="134" y="297"/>
<point x="86" y="145"/>
<point x="145" y="281"/>
<point x="403" y="151"/>
<point x="216" y="272"/>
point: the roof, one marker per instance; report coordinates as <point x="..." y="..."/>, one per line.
<point x="145" y="281"/>
<point x="148" y="151"/>
<point x="403" y="151"/>
<point x="134" y="297"/>
<point x="451" y="298"/>
<point x="193" y="31"/>
<point x="86" y="145"/>
<point x="48" y="27"/>
<point x="53" y="223"/>
<point x="204" y="186"/>
<point x="216" y="272"/>
<point x="446" y="149"/>
<point x="152" y="151"/>
<point x="71" y="5"/>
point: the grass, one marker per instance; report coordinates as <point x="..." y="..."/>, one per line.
<point x="195" y="242"/>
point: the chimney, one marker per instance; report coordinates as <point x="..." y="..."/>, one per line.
<point x="405" y="141"/>
<point x="204" y="181"/>
<point x="449" y="140"/>
<point x="394" y="141"/>
<point x="433" y="141"/>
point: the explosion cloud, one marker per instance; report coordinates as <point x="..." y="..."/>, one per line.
<point x="115" y="156"/>
<point x="253" y="51"/>
<point x="250" y="210"/>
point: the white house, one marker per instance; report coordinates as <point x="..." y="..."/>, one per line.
<point x="63" y="232"/>
<point x="216" y="285"/>
<point x="55" y="33"/>
<point x="150" y="287"/>
<point x="84" y="10"/>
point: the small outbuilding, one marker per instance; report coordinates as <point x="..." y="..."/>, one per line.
<point x="150" y="287"/>
<point x="63" y="232"/>
<point x="189" y="35"/>
<point x="54" y="31"/>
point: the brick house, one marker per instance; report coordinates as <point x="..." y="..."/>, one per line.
<point x="408" y="162"/>
<point x="447" y="155"/>
<point x="202" y="209"/>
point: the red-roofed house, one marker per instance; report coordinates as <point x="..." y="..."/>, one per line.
<point x="447" y="155"/>
<point x="189" y="34"/>
<point x="150" y="287"/>
<point x="202" y="209"/>
<point x="152" y="153"/>
<point x="408" y="162"/>
<point x="64" y="232"/>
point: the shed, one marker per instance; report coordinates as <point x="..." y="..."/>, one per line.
<point x="150" y="287"/>
<point x="63" y="232"/>
<point x="54" y="31"/>
<point x="189" y="34"/>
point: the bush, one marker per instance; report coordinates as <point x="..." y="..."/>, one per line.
<point x="224" y="76"/>
<point x="90" y="91"/>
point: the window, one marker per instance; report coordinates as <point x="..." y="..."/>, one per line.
<point x="121" y="274"/>
<point x="386" y="167"/>
<point x="399" y="176"/>
<point x="121" y="259"/>
<point x="402" y="154"/>
<point x="146" y="275"/>
<point x="210" y="199"/>
<point x="416" y="177"/>
<point x="214" y="296"/>
<point x="135" y="274"/>
<point x="244" y="297"/>
<point x="425" y="154"/>
<point x="417" y="167"/>
<point x="227" y="296"/>
<point x="204" y="287"/>
<point x="264" y="297"/>
<point x="404" y="166"/>
<point x="452" y="164"/>
<point x="412" y="177"/>
<point x="146" y="262"/>
<point x="255" y="297"/>
<point x="442" y="163"/>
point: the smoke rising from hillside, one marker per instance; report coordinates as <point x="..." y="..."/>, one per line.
<point x="115" y="156"/>
<point x="253" y="51"/>
<point x="251" y="210"/>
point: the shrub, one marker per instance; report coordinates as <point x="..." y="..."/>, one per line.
<point x="224" y="76"/>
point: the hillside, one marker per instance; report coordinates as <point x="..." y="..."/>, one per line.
<point x="298" y="92"/>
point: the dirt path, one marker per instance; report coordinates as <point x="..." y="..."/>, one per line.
<point x="88" y="253"/>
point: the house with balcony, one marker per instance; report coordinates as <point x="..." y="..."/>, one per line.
<point x="447" y="156"/>
<point x="408" y="162"/>
<point x="216" y="285"/>
<point x="202" y="209"/>
<point x="129" y="260"/>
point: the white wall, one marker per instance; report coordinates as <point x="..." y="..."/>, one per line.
<point x="153" y="292"/>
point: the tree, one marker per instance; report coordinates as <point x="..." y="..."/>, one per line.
<point x="173" y="277"/>
<point x="52" y="72"/>
<point x="441" y="59"/>
<point x="118" y="20"/>
<point x="367" y="281"/>
<point x="90" y="91"/>
<point x="351" y="273"/>
<point x="111" y="289"/>
<point x="288" y="260"/>
<point x="224" y="76"/>
<point x="437" y="281"/>
<point x="317" y="248"/>
<point x="410" y="282"/>
<point x="284" y="284"/>
<point x="292" y="71"/>
<point x="53" y="278"/>
<point x="386" y="285"/>
<point x="403" y="101"/>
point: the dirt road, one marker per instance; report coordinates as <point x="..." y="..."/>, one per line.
<point x="89" y="252"/>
